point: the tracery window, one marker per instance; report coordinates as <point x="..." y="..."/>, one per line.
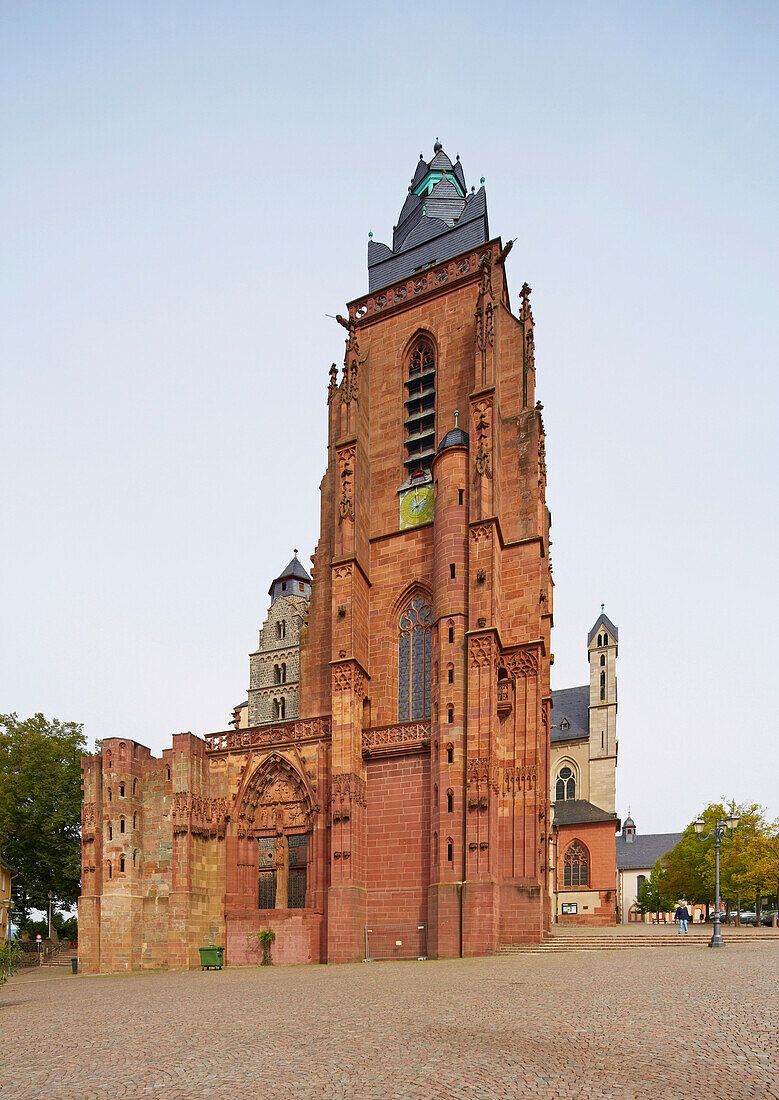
<point x="414" y="652"/>
<point x="566" y="784"/>
<point x="271" y="882"/>
<point x="296" y="880"/>
<point x="419" y="417"/>
<point x="576" y="867"/>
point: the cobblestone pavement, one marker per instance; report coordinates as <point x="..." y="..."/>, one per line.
<point x="617" y="1025"/>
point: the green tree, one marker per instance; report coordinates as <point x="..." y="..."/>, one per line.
<point x="686" y="871"/>
<point x="40" y="808"/>
<point x="654" y="895"/>
<point x="10" y="956"/>
<point x="749" y="859"/>
<point x="745" y="869"/>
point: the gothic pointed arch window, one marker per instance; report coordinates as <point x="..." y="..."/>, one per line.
<point x="576" y="865"/>
<point x="565" y="787"/>
<point x="419" y="414"/>
<point x="414" y="665"/>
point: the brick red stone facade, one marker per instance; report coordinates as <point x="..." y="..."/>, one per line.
<point x="439" y="822"/>
<point x="596" y="902"/>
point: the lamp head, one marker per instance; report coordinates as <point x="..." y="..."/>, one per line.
<point x="699" y="825"/>
<point x="732" y="820"/>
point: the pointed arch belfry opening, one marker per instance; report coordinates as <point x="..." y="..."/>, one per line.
<point x="419" y="405"/>
<point x="274" y="818"/>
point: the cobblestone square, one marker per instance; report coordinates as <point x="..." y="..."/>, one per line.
<point x="665" y="1022"/>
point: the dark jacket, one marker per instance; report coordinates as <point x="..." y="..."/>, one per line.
<point x="681" y="913"/>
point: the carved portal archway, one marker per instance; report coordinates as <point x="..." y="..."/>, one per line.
<point x="273" y="818"/>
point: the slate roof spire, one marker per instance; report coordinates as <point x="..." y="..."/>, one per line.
<point x="293" y="572"/>
<point x="439" y="219"/>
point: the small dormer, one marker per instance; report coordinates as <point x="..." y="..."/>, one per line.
<point x="293" y="581"/>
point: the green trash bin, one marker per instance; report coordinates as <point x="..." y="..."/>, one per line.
<point x="211" y="956"/>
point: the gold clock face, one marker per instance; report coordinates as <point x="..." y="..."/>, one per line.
<point x="416" y="506"/>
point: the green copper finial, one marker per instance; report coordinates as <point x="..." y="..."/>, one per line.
<point x="456" y="417"/>
<point x="424" y="209"/>
<point x="370" y="234"/>
<point x="601" y="611"/>
<point x="481" y="181"/>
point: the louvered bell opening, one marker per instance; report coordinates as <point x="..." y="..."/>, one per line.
<point x="420" y="408"/>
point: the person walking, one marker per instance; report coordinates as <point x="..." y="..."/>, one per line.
<point x="682" y="915"/>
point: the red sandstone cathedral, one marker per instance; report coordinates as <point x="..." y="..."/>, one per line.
<point x="392" y="801"/>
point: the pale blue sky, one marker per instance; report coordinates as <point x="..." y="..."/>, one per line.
<point x="187" y="190"/>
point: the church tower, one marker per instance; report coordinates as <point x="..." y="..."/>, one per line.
<point x="274" y="665"/>
<point x="602" y="655"/>
<point x="428" y="636"/>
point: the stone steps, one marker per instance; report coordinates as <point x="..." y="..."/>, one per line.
<point x="616" y="942"/>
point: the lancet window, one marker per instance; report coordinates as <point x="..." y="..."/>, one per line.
<point x="414" y="653"/>
<point x="576" y="866"/>
<point x="419" y="419"/>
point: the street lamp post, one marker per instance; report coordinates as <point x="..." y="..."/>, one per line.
<point x="721" y="829"/>
<point x="51" y="899"/>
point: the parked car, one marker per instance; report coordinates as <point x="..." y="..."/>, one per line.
<point x="767" y="917"/>
<point x="747" y="917"/>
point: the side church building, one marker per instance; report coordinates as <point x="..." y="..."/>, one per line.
<point x="583" y="741"/>
<point x="384" y="791"/>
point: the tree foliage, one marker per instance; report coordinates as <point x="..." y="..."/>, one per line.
<point x="40" y="808"/>
<point x="10" y="957"/>
<point x="654" y="895"/>
<point x="749" y="859"/>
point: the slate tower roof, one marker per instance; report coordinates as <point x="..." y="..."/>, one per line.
<point x="293" y="572"/>
<point x="439" y="220"/>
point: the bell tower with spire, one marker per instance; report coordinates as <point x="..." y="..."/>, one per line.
<point x="428" y="637"/>
<point x="602" y="654"/>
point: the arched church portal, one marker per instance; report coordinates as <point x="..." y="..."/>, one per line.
<point x="274" y="820"/>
